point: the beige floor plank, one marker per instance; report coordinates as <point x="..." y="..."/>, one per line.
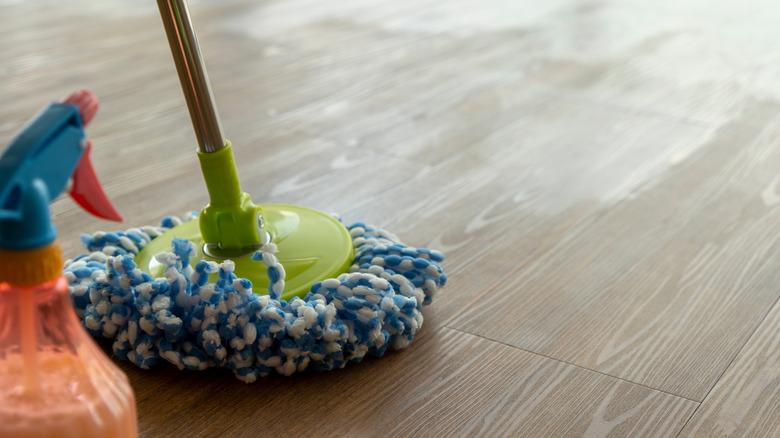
<point x="669" y="282"/>
<point x="746" y="401"/>
<point x="601" y="174"/>
<point x="551" y="173"/>
<point x="453" y="384"/>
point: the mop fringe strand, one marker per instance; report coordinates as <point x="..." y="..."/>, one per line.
<point x="183" y="319"/>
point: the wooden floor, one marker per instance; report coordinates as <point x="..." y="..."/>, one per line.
<point x="604" y="177"/>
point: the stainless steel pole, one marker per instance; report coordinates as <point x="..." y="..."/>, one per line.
<point x="192" y="74"/>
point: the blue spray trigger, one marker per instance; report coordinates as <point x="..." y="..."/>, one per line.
<point x="34" y="170"/>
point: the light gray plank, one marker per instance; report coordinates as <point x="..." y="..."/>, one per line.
<point x="453" y="384"/>
<point x="746" y="400"/>
<point x="601" y="175"/>
<point x="667" y="284"/>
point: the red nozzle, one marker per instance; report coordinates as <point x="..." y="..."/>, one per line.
<point x="87" y="103"/>
<point x="86" y="189"/>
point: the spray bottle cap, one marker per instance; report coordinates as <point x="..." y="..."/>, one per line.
<point x="49" y="155"/>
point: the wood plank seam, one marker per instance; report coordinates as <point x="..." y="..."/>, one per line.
<point x="733" y="359"/>
<point x="576" y="365"/>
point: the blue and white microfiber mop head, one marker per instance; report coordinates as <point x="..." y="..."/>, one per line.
<point x="187" y="321"/>
<point x="184" y="319"/>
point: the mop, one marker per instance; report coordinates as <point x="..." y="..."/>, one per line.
<point x="252" y="288"/>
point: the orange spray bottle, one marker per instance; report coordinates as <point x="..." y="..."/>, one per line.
<point x="54" y="380"/>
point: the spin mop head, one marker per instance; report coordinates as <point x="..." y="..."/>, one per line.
<point x="172" y="292"/>
<point x="194" y="324"/>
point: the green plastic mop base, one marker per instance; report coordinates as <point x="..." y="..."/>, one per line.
<point x="312" y="246"/>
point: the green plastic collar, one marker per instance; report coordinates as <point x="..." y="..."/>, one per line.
<point x="229" y="223"/>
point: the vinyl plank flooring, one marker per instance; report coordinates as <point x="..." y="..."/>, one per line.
<point x="520" y="190"/>
<point x="602" y="176"/>
<point x="695" y="60"/>
<point x="666" y="286"/>
<point x="453" y="384"/>
<point x="746" y="401"/>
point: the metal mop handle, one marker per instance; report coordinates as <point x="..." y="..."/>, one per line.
<point x="192" y="74"/>
<point x="229" y="224"/>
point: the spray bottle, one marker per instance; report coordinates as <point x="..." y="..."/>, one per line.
<point x="54" y="380"/>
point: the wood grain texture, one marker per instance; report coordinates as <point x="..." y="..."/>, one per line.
<point x="665" y="286"/>
<point x="746" y="400"/>
<point x="603" y="176"/>
<point x="453" y="384"/>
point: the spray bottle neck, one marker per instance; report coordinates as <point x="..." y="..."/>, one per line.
<point x="31" y="267"/>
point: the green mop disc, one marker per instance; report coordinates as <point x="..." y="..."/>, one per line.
<point x="312" y="246"/>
